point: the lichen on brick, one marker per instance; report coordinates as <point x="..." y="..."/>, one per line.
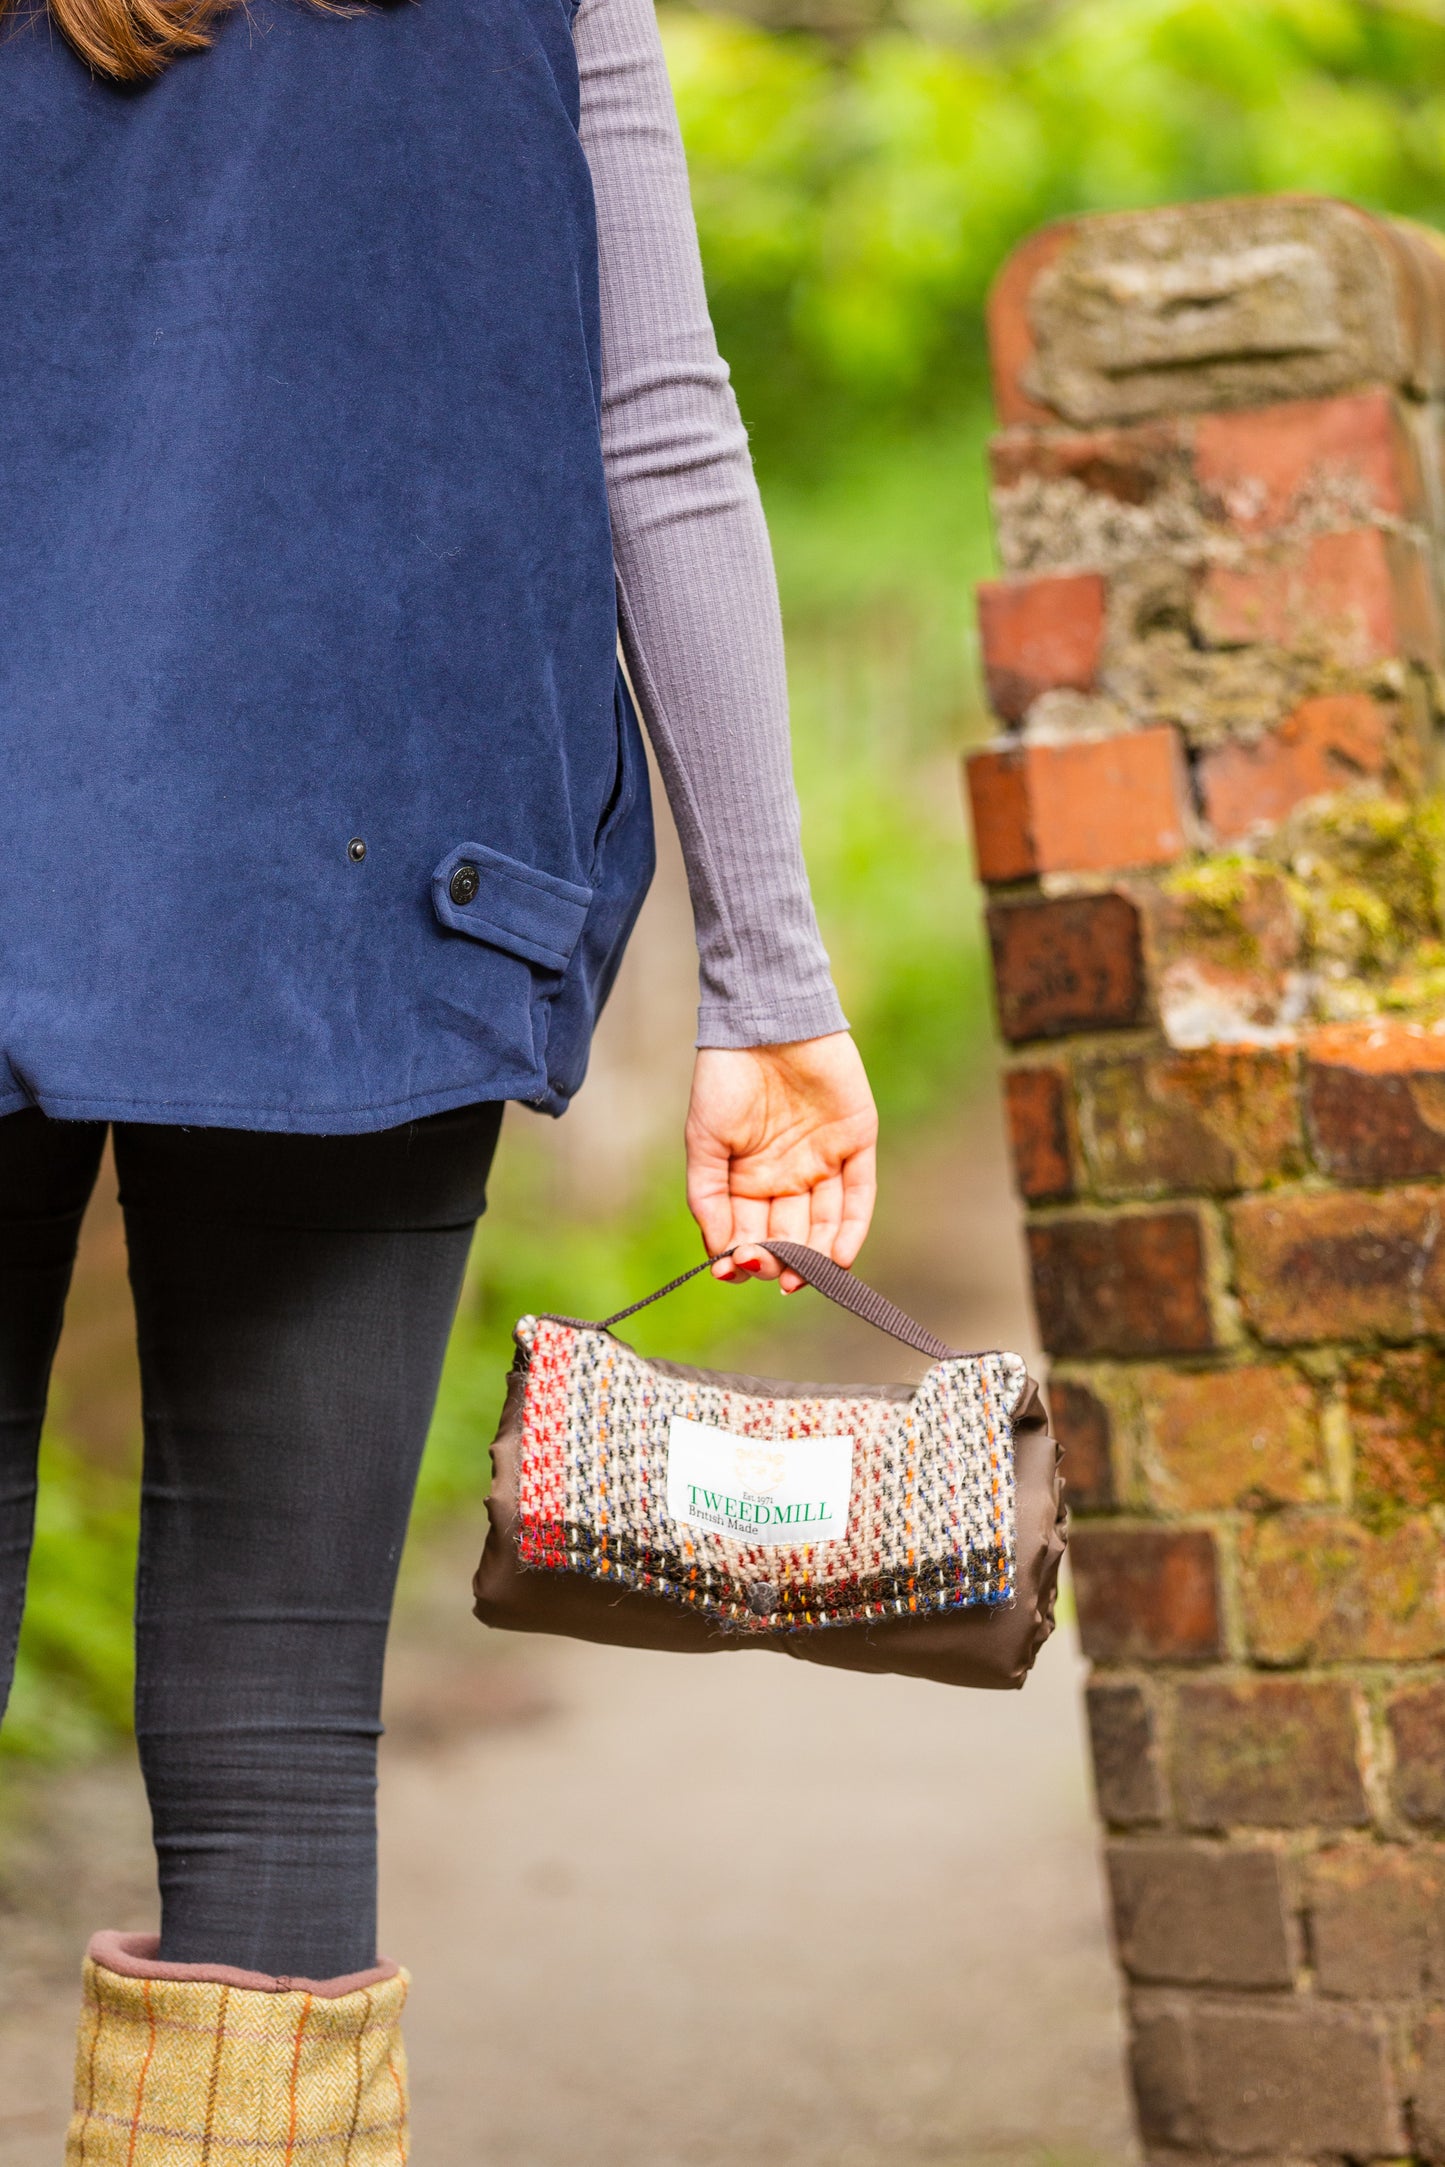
<point x="1057" y="523"/>
<point x="1052" y="524"/>
<point x="1060" y="718"/>
<point x="1213" y="695"/>
<point x="1161" y="665"/>
<point x="1210" y="1121"/>
<point x="1321" y="1587"/>
<point x="1396" y="1404"/>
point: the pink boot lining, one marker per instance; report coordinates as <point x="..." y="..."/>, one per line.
<point x="133" y="1956"/>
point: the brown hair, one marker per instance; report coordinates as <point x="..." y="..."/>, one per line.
<point x="133" y="40"/>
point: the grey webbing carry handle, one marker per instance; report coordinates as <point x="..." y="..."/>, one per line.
<point x="830" y="1279"/>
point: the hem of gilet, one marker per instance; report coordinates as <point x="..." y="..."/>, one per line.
<point x="532" y="1091"/>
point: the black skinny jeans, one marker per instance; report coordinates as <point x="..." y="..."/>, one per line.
<point x="293" y="1298"/>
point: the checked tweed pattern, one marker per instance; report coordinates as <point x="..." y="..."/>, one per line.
<point x="931" y="1519"/>
<point x="189" y="2074"/>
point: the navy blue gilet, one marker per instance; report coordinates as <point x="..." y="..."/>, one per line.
<point x="322" y="804"/>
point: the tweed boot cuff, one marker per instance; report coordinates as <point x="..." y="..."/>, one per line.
<point x="133" y="1956"/>
<point x="179" y="2065"/>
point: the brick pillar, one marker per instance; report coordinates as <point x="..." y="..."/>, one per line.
<point x="1216" y="867"/>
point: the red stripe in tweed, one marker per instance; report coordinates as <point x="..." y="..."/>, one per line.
<point x="145" y="2070"/>
<point x="360" y="2081"/>
<point x="215" y="2077"/>
<point x="295" y="2077"/>
<point x="395" y="2076"/>
<point x="90" y="2077"/>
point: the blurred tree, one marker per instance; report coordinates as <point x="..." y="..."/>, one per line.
<point x="860" y="167"/>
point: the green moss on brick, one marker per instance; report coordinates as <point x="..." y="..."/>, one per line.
<point x="1365" y="879"/>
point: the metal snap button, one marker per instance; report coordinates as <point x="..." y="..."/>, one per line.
<point x="465" y="884"/>
<point x="356" y="850"/>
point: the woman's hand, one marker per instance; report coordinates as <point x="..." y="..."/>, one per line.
<point x="781" y="1144"/>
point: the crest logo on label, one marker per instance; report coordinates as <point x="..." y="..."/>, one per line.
<point x="758" y="1469"/>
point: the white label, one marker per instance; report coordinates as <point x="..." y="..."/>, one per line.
<point x="766" y="1490"/>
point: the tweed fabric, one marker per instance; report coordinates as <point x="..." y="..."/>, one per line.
<point x="172" y="2073"/>
<point x="931" y="1517"/>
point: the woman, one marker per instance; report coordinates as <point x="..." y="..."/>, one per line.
<point x="359" y="389"/>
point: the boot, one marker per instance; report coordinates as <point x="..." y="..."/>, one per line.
<point x="197" y="2065"/>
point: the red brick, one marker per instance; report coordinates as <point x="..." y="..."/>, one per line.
<point x="1082" y="1425"/>
<point x="1375" y="1098"/>
<point x="1044" y="634"/>
<point x="1262" y="466"/>
<point x="1011" y="343"/>
<point x="1377" y="1921"/>
<point x="1084" y="807"/>
<point x="1326" y="744"/>
<point x="1036" y="1100"/>
<point x="1356" y="598"/>
<point x="1316" y="1587"/>
<point x="1266" y="2081"/>
<point x="1200" y="1914"/>
<point x="1128" y="1777"/>
<point x="1381" y="587"/>
<point x="1127" y="1284"/>
<point x="1220" y="1118"/>
<point x="1428" y="2089"/>
<point x="1218" y="1439"/>
<point x="1073" y="963"/>
<point x="1131" y="465"/>
<point x="997" y="781"/>
<point x="1397" y="1416"/>
<point x="1340" y="1265"/>
<point x="1161" y="2067"/>
<point x="1295" y="2080"/>
<point x="1146" y="1594"/>
<point x="1266" y="1753"/>
<point x="1415" y="1717"/>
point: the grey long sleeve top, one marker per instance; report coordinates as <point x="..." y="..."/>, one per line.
<point x="697" y="598"/>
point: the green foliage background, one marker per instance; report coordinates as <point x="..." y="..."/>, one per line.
<point x="858" y="181"/>
<point x="860" y="168"/>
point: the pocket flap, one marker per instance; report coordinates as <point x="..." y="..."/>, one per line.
<point x="509" y="905"/>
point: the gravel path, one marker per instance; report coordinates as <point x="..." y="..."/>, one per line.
<point x="737" y="1912"/>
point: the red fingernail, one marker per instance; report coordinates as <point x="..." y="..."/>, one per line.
<point x="754" y="1264"/>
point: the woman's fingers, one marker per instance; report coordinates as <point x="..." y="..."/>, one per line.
<point x="860" y="1192"/>
<point x="709" y="1198"/>
<point x="750" y="1225"/>
<point x="789" y="1218"/>
<point x="825" y="1214"/>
